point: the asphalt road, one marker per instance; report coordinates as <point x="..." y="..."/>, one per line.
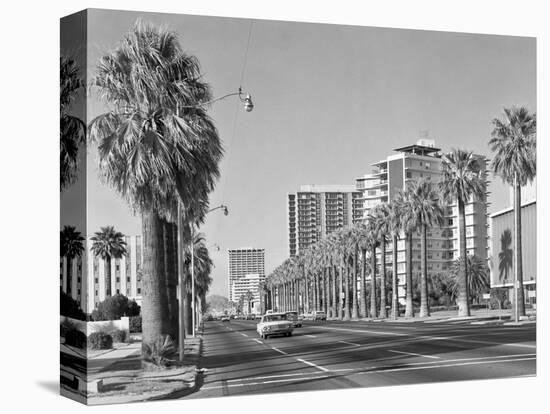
<point x="337" y="355"/>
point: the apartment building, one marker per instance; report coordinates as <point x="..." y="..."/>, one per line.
<point x="88" y="288"/>
<point x="246" y="270"/>
<point x="315" y="211"/>
<point x="391" y="175"/>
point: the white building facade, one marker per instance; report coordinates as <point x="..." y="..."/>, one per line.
<point x="246" y="270"/>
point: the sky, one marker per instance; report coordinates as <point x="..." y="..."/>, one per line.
<point x="330" y="100"/>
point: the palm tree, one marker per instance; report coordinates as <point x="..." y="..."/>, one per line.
<point x="72" y="129"/>
<point x="249" y="296"/>
<point x="478" y="276"/>
<point x="428" y="213"/>
<point x="71" y="247"/>
<point x="156" y="144"/>
<point x="363" y="245"/>
<point x="372" y="242"/>
<point x="108" y="244"/>
<point x="395" y="227"/>
<point x="404" y="203"/>
<point x="462" y="182"/>
<point x="379" y="218"/>
<point x="514" y="144"/>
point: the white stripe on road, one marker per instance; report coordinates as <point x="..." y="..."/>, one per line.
<point x="413" y="354"/>
<point x="349" y="343"/>
<point x="263" y="382"/>
<point x="311" y="336"/>
<point x="257" y="340"/>
<point x="278" y="350"/>
<point x="311" y="364"/>
<point x="273" y="376"/>
<point x="243" y="334"/>
<point x="445" y="365"/>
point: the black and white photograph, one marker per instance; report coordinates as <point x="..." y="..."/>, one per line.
<point x="254" y="206"/>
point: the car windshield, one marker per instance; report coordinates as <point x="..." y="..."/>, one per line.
<point x="273" y="318"/>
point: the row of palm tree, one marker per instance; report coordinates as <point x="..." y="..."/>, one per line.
<point x="320" y="277"/>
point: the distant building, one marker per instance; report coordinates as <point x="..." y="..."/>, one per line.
<point x="246" y="270"/>
<point x="501" y="248"/>
<point x="89" y="288"/>
<point x="315" y="211"/>
<point x="391" y="175"/>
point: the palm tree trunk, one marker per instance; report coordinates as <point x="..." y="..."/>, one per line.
<point x="347" y="308"/>
<point x="340" y="291"/>
<point x="395" y="299"/>
<point x="424" y="306"/>
<point x="463" y="294"/>
<point x="154" y="306"/>
<point x="409" y="306"/>
<point x="171" y="277"/>
<point x="307" y="293"/>
<point x="324" y="293"/>
<point x="69" y="276"/>
<point x="519" y="303"/>
<point x="354" y="310"/>
<point x="188" y="313"/>
<point x="383" y="313"/>
<point x="363" y="292"/>
<point x="315" y="292"/>
<point x="334" y="293"/>
<point x="373" y="312"/>
<point x="108" y="277"/>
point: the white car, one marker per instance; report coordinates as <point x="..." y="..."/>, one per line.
<point x="274" y="324"/>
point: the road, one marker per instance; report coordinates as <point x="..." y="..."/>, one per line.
<point x="336" y="355"/>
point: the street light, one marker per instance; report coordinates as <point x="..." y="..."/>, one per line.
<point x="192" y="224"/>
<point x="246" y="99"/>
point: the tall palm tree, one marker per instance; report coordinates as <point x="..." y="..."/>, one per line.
<point x="108" y="244"/>
<point x="372" y="242"/>
<point x="463" y="182"/>
<point x="72" y="129"/>
<point x="428" y="213"/>
<point x="363" y="245"/>
<point x="249" y="296"/>
<point x="395" y="227"/>
<point x="513" y="142"/>
<point x="156" y="144"/>
<point x="404" y="202"/>
<point x="71" y="247"/>
<point x="379" y="218"/>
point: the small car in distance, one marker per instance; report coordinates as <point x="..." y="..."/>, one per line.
<point x="295" y="319"/>
<point x="250" y="317"/>
<point x="318" y="316"/>
<point x="225" y="318"/>
<point x="274" y="324"/>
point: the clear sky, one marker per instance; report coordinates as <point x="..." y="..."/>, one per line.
<point x="329" y="101"/>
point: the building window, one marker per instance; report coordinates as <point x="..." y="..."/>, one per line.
<point x="127" y="279"/>
<point x="118" y="280"/>
<point x="96" y="280"/>
<point x="139" y="291"/>
<point x="117" y="267"/>
<point x="96" y="293"/>
<point x="118" y="291"/>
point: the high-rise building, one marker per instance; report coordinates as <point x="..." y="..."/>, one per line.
<point x="88" y="288"/>
<point x="315" y="211"/>
<point x="391" y="175"/>
<point x="246" y="270"/>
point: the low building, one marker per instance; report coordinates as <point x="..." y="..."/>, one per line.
<point x="501" y="249"/>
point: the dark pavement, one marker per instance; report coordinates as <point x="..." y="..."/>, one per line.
<point x="336" y="355"/>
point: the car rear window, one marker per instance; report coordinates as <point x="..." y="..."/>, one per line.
<point x="272" y="318"/>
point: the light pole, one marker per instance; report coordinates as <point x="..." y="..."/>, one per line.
<point x="248" y="107"/>
<point x="192" y="224"/>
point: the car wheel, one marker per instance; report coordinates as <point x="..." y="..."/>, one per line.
<point x="290" y="334"/>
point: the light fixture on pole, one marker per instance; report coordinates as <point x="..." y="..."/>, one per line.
<point x="193" y="310"/>
<point x="246" y="100"/>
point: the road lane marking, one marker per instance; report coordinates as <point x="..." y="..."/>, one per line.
<point x="243" y="334"/>
<point x="296" y="374"/>
<point x="360" y="331"/>
<point x="349" y="343"/>
<point x="409" y="368"/>
<point x="257" y="340"/>
<point x="414" y="354"/>
<point x="264" y="382"/>
<point x="278" y="350"/>
<point x="310" y="336"/>
<point x="311" y="364"/>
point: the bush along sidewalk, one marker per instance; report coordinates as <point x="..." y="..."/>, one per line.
<point x="159" y="376"/>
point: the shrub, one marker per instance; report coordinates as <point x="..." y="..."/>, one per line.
<point x="70" y="307"/>
<point x="135" y="324"/>
<point x="119" y="336"/>
<point x="100" y="340"/>
<point x="74" y="337"/>
<point x="112" y="308"/>
<point x="161" y="353"/>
